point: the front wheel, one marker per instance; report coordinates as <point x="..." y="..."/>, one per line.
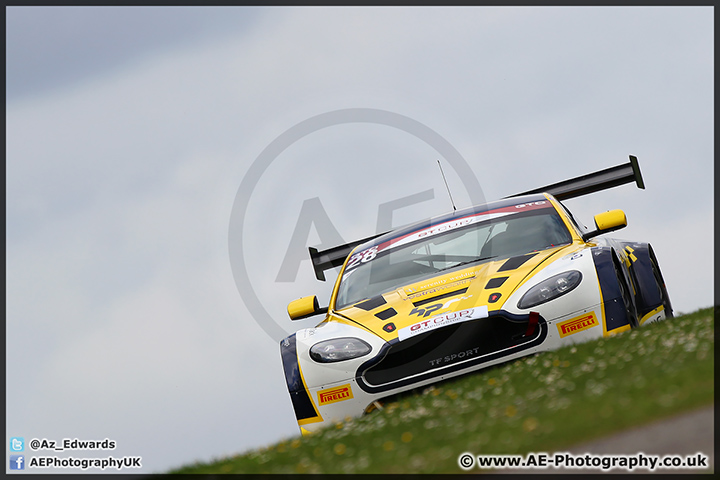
<point x="626" y="297"/>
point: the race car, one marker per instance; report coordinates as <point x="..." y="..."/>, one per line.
<point x="466" y="291"/>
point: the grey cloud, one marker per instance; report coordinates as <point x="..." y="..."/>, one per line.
<point x="52" y="47"/>
<point x="120" y="190"/>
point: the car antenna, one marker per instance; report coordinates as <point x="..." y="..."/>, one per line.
<point x="446" y="186"/>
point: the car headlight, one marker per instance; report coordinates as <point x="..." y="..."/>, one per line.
<point x="551" y="288"/>
<point x="339" y="349"/>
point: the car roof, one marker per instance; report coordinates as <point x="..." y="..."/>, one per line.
<point x="502" y="203"/>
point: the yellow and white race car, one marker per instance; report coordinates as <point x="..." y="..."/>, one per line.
<point x="465" y="291"/>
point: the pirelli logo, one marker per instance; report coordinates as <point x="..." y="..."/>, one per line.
<point x="335" y="394"/>
<point x="577" y="324"/>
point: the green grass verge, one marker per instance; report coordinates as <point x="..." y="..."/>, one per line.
<point x="543" y="403"/>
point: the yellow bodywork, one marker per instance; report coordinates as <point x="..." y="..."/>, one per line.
<point x="406" y="301"/>
<point x="303" y="307"/>
<point x="610" y="220"/>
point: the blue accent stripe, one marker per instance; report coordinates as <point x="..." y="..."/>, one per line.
<point x="615" y="314"/>
<point x="301" y="402"/>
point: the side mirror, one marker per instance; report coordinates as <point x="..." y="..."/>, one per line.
<point x="305" y="307"/>
<point x="607" y="222"/>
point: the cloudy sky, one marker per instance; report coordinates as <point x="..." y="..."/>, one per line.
<point x="162" y="164"/>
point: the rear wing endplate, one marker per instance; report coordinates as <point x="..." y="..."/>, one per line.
<point x="333" y="257"/>
<point x="593" y="182"/>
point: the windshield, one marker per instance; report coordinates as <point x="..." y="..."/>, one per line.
<point x="469" y="240"/>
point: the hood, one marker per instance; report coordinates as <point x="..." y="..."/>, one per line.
<point x="485" y="285"/>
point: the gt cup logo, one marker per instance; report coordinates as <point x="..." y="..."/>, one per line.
<point x="442" y="321"/>
<point x="531" y="204"/>
<point x="256" y="250"/>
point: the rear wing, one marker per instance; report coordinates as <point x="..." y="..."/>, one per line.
<point x="574" y="187"/>
<point x="593" y="182"/>
<point x="334" y="257"/>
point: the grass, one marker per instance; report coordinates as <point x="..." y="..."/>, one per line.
<point x="543" y="403"/>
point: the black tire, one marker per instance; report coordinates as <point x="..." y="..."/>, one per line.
<point x="627" y="300"/>
<point x="661" y="286"/>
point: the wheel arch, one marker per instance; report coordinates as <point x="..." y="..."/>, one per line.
<point x="650" y="291"/>
<point x="607" y="262"/>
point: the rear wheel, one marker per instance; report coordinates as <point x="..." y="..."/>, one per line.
<point x="661" y="285"/>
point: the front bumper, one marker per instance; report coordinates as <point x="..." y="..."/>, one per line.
<point x="323" y="394"/>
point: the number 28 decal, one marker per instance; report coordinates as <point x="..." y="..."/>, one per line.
<point x="362" y="257"/>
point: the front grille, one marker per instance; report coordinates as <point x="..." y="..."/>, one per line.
<point x="449" y="349"/>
